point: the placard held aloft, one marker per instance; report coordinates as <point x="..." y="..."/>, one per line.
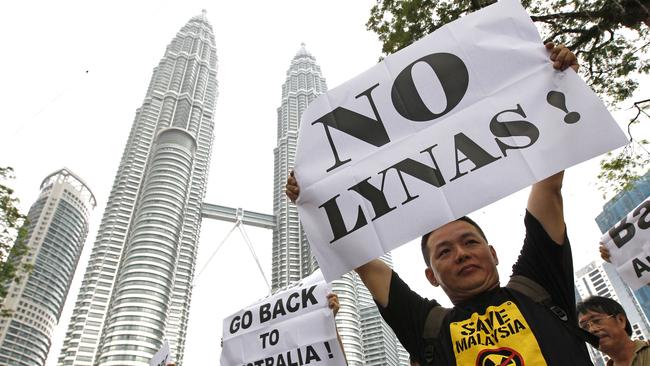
<point x="467" y="115"/>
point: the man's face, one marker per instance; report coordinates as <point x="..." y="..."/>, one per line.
<point x="462" y="262"/>
<point x="610" y="329"/>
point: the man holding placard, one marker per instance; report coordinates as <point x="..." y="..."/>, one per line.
<point x="627" y="246"/>
<point x="289" y="328"/>
<point x="531" y="321"/>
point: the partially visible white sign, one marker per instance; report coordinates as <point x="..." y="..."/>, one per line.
<point x="462" y="118"/>
<point x="292" y="327"/>
<point x="162" y="357"/>
<point x="628" y="243"/>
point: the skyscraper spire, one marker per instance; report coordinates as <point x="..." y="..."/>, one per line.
<point x="137" y="286"/>
<point x="291" y="255"/>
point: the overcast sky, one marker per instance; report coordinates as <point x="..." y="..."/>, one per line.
<point x="73" y="73"/>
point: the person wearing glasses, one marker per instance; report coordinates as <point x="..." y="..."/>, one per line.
<point x="606" y="319"/>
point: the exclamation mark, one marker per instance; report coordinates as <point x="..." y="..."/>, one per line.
<point x="557" y="100"/>
<point x="329" y="350"/>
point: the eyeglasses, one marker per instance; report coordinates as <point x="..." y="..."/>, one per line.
<point x="587" y="324"/>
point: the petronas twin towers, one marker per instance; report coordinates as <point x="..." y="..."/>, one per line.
<point x="137" y="286"/>
<point x="136" y="290"/>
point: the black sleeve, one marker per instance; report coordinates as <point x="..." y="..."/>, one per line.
<point x="548" y="264"/>
<point x="405" y="314"/>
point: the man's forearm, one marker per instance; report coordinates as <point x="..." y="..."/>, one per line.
<point x="545" y="203"/>
<point x="376" y="276"/>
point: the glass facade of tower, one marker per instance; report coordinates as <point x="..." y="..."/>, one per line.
<point x="380" y="345"/>
<point x="291" y="255"/>
<point x="617" y="208"/>
<point x="58" y="226"/>
<point x="622" y="203"/>
<point x="137" y="287"/>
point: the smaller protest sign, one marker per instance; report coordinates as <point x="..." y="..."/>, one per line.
<point x="162" y="357"/>
<point x="628" y="243"/>
<point x="292" y="327"/>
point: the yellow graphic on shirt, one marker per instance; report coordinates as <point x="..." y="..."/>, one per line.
<point x="500" y="337"/>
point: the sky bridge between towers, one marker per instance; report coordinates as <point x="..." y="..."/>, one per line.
<point x="240" y="217"/>
<point x="229" y="214"/>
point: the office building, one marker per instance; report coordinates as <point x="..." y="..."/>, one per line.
<point x="56" y="232"/>
<point x="291" y="255"/>
<point x="137" y="287"/>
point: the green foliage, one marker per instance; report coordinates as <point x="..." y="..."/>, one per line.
<point x="13" y="237"/>
<point x="610" y="37"/>
<point x="618" y="171"/>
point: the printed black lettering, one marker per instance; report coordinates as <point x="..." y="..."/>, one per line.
<point x="278" y="309"/>
<point x="308" y="296"/>
<point x="311" y="355"/>
<point x="356" y="125"/>
<point x="472" y="152"/>
<point x="480" y="326"/>
<point x="423" y="172"/>
<point x="234" y="324"/>
<point x="472" y="340"/>
<point x="644" y="220"/>
<point x="640" y="267"/>
<point x="461" y="345"/>
<point x="512" y="129"/>
<point x="373" y="195"/>
<point x="503" y="332"/>
<point x="335" y="219"/>
<point x="453" y="77"/>
<point x="519" y="326"/>
<point x="468" y="329"/>
<point x="265" y="312"/>
<point x="296" y="305"/>
<point x="622" y="232"/>
<point x="280" y="361"/>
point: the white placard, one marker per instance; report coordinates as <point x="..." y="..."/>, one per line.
<point x="460" y="119"/>
<point x="293" y="327"/>
<point x="628" y="243"/>
<point x="162" y="357"/>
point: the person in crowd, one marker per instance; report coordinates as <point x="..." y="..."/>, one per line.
<point x="606" y="319"/>
<point x="532" y="320"/>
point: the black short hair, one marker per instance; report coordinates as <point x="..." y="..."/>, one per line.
<point x="425" y="238"/>
<point x="604" y="305"/>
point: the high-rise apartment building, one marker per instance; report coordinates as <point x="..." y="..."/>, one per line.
<point x="291" y="255"/>
<point x="137" y="287"/>
<point x="57" y="230"/>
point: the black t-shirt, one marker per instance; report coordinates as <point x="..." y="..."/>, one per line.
<point x="501" y="326"/>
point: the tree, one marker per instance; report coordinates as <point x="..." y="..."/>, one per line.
<point x="611" y="38"/>
<point x="13" y="236"/>
<point x="618" y="171"/>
